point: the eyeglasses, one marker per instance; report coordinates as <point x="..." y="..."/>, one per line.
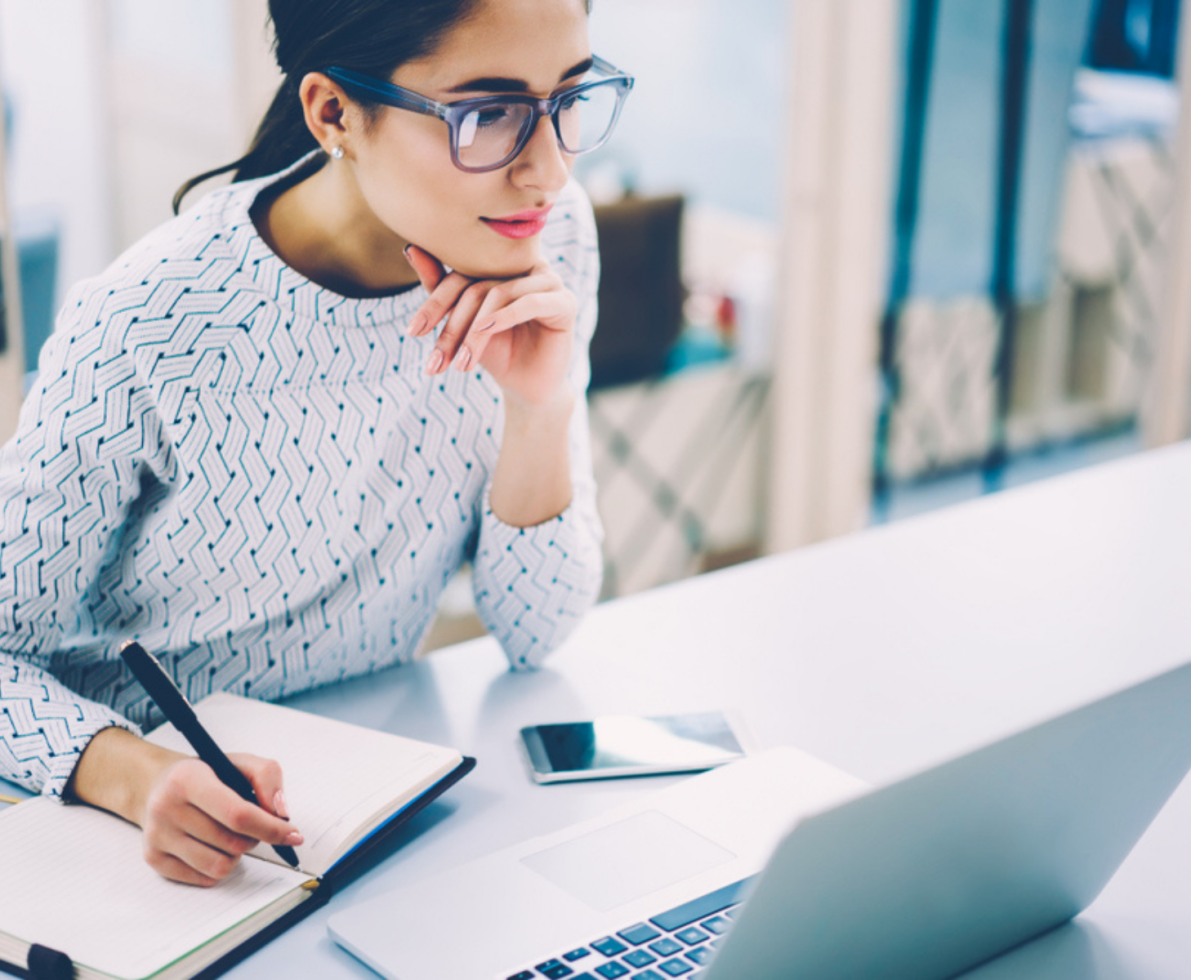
<point x="488" y="133"/>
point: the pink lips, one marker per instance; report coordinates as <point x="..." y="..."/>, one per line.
<point x="523" y="224"/>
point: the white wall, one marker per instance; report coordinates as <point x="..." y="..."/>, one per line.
<point x="116" y="102"/>
<point x="707" y="114"/>
<point x="186" y="94"/>
<point x="53" y="74"/>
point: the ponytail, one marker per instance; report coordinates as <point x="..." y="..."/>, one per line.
<point x="281" y="138"/>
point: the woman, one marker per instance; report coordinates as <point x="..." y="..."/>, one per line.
<point x="253" y="446"/>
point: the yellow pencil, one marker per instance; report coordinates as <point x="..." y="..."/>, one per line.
<point x="9" y="799"/>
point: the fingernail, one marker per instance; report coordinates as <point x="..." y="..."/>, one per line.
<point x="405" y="251"/>
<point x="487" y="326"/>
<point x="436" y="360"/>
<point x="279" y="805"/>
<point x="293" y="839"/>
<point x="463" y="359"/>
<point x="417" y="325"/>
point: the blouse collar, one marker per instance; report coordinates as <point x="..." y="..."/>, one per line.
<point x="287" y="287"/>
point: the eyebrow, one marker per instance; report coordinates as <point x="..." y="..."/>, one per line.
<point x="516" y="84"/>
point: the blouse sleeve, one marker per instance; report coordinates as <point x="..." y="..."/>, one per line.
<point x="67" y="479"/>
<point x="533" y="584"/>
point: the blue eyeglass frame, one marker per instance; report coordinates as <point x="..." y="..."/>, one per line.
<point x="453" y="113"/>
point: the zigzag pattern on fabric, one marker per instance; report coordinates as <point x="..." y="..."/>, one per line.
<point x="255" y="477"/>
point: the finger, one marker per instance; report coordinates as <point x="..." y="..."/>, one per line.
<point x="265" y="776"/>
<point x="504" y="295"/>
<point x="175" y="869"/>
<point x="446" y="294"/>
<point x="197" y="824"/>
<point x="239" y="816"/>
<point x="429" y="270"/>
<point x="450" y="347"/>
<point x="511" y="290"/>
<point x="200" y="857"/>
<point x="541" y="307"/>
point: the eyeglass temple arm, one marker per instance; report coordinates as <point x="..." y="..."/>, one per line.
<point x="384" y="92"/>
<point x="395" y="95"/>
<point x="606" y="67"/>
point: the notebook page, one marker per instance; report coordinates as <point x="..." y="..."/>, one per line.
<point x="74" y="879"/>
<point x="337" y="776"/>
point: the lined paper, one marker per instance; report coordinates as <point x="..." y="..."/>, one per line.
<point x="92" y="896"/>
<point x="338" y="777"/>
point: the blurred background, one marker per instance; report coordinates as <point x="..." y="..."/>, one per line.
<point x="862" y="258"/>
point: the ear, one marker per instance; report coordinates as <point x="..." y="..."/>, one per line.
<point x="325" y="107"/>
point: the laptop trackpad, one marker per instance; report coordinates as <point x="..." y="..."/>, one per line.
<point x="626" y="860"/>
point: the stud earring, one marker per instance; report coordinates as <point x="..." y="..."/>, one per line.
<point x="337" y="152"/>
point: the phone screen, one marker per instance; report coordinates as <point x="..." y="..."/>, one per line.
<point x="625" y="745"/>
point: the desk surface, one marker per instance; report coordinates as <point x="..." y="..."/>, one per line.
<point x="881" y="653"/>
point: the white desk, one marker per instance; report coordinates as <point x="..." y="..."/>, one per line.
<point x="881" y="653"/>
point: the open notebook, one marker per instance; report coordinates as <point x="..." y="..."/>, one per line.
<point x="74" y="880"/>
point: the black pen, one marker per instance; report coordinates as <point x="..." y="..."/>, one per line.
<point x="177" y="710"/>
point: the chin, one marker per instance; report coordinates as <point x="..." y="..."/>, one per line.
<point x="499" y="263"/>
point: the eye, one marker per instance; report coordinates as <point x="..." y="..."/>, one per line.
<point x="572" y="102"/>
<point x="492" y="116"/>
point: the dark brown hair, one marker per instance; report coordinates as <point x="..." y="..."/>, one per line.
<point x="374" y="37"/>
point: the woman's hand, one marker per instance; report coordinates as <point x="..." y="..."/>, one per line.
<point x="195" y="828"/>
<point x="520" y="330"/>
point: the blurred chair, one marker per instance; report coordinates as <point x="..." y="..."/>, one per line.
<point x="641" y="291"/>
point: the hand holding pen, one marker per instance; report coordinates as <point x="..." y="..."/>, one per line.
<point x="202" y="814"/>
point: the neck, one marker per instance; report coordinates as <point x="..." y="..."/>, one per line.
<point x="322" y="227"/>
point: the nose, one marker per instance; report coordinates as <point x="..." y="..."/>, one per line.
<point x="542" y="164"/>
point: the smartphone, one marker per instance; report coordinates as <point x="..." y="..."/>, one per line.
<point x="621" y="745"/>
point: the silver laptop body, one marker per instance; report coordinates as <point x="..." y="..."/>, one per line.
<point x="920" y="879"/>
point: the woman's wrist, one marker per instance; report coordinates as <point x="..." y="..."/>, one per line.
<point x="532" y="481"/>
<point x="116" y="771"/>
<point x="548" y="413"/>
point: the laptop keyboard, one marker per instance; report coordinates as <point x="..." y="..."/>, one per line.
<point x="677" y="943"/>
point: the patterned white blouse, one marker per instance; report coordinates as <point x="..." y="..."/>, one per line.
<point x="255" y="477"/>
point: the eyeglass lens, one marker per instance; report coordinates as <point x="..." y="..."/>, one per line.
<point x="489" y="135"/>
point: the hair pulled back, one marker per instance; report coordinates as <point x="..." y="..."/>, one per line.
<point x="374" y="37"/>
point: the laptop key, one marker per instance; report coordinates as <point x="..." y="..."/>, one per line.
<point x="648" y="975"/>
<point x="701" y="907"/>
<point x="675" y="968"/>
<point x="554" y="969"/>
<point x="523" y="975"/>
<point x="692" y="935"/>
<point x="576" y="954"/>
<point x="699" y="955"/>
<point x="666" y="947"/>
<point x="612" y="970"/>
<point x="609" y="946"/>
<point x="717" y="924"/>
<point x="639" y="957"/>
<point x="638" y="934"/>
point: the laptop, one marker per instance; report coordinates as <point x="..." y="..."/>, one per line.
<point x="780" y="866"/>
